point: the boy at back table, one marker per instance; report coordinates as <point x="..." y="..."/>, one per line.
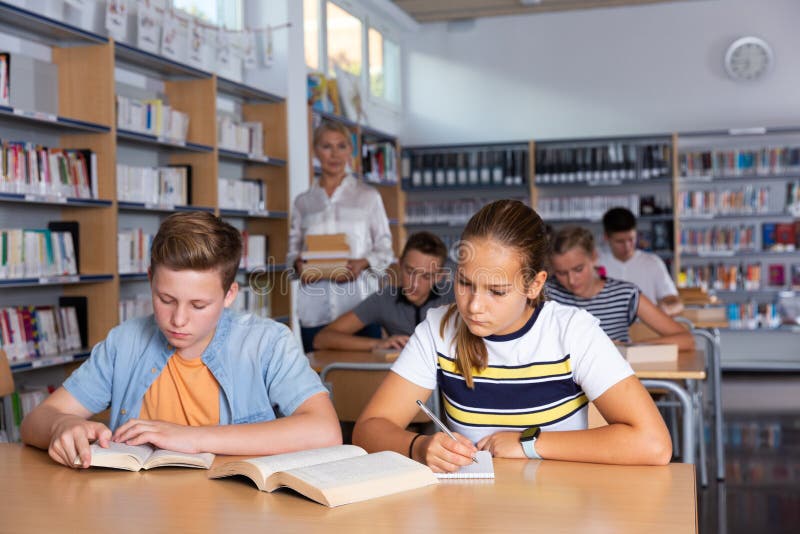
<point x="194" y="376"/>
<point x="624" y="261"/>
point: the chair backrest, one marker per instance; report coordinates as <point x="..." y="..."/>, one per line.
<point x="352" y="385"/>
<point x="6" y="378"/>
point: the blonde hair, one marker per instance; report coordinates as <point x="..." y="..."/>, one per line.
<point x="570" y="237"/>
<point x="514" y="225"/>
<point x="198" y="241"/>
<point x="330" y="126"/>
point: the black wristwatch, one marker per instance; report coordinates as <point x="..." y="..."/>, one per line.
<point x="528" y="441"/>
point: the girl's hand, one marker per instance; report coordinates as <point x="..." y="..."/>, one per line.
<point x="503" y="445"/>
<point x="356" y="267"/>
<point x="163" y="435"/>
<point x="442" y="454"/>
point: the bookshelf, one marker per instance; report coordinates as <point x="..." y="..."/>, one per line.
<point x="89" y="81"/>
<point x="387" y="184"/>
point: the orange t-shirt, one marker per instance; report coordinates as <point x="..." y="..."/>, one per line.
<point x="186" y="393"/>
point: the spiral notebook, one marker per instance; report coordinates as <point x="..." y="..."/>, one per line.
<point x="483" y="469"/>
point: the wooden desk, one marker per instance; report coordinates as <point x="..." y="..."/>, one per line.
<point x="38" y="495"/>
<point x="690" y="364"/>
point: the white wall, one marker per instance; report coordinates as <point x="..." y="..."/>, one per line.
<point x="599" y="72"/>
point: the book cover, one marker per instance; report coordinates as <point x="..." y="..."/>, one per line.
<point x="776" y="274"/>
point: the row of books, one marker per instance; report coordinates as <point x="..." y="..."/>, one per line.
<point x="35" y="331"/>
<point x="34" y="169"/>
<point x="254" y="253"/>
<point x="603" y="163"/>
<point x="459" y="168"/>
<point x="453" y="212"/>
<point x="752" y="316"/>
<point x="255" y="301"/>
<point x="243" y="194"/>
<point x="379" y="163"/>
<point x="721" y="276"/>
<point x="152" y="117"/>
<point x="33" y="253"/>
<point x="584" y="207"/>
<point x="763" y="161"/>
<point x="170" y="186"/>
<point x="746" y="200"/>
<point x="133" y="250"/>
<point x="19" y="404"/>
<point x="247" y="137"/>
<point x="719" y="239"/>
<point x="139" y="306"/>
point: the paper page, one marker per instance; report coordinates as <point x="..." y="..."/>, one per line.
<point x="284" y="462"/>
<point x="162" y="457"/>
<point x="483" y="469"/>
<point x="110" y="457"/>
<point x="358" y="470"/>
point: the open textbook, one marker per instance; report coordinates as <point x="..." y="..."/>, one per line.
<point x="137" y="457"/>
<point x="332" y="476"/>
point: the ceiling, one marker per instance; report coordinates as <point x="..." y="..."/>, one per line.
<point x="445" y="10"/>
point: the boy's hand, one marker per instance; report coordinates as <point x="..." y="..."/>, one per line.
<point x="71" y="437"/>
<point x="163" y="435"/>
<point x="392" y="342"/>
<point x="503" y="445"/>
<point x="443" y="455"/>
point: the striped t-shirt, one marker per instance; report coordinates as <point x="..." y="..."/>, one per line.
<point x="542" y="375"/>
<point x="616" y="305"/>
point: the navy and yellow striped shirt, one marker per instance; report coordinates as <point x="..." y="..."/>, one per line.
<point x="542" y="375"/>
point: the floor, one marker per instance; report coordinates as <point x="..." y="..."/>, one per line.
<point x="761" y="491"/>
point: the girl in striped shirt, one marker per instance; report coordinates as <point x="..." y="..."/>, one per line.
<point x="515" y="373"/>
<point x="617" y="304"/>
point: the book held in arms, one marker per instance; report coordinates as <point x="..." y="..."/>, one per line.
<point x="138" y="457"/>
<point x="332" y="476"/>
<point x="325" y="256"/>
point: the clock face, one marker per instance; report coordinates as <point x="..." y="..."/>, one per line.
<point x="748" y="58"/>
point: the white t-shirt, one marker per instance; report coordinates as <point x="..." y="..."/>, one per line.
<point x="354" y="209"/>
<point x="542" y="375"/>
<point x="644" y="269"/>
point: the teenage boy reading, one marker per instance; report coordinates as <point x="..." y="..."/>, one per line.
<point x="397" y="310"/>
<point x="194" y="376"/>
<point x="624" y="261"/>
<point x="516" y="373"/>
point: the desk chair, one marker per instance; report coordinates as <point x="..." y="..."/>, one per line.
<point x="352" y="384"/>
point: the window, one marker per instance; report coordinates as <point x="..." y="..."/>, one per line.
<point x="311" y="34"/>
<point x="223" y="13"/>
<point x="384" y="67"/>
<point x="344" y="40"/>
<point x="338" y="34"/>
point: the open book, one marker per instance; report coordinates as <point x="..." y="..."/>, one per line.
<point x="137" y="457"/>
<point x="332" y="476"/>
<point x="483" y="469"/>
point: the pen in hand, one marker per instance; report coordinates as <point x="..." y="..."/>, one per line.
<point x="439" y="423"/>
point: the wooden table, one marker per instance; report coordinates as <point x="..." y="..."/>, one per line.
<point x="38" y="495"/>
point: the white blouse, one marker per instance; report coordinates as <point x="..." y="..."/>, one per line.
<point x="356" y="210"/>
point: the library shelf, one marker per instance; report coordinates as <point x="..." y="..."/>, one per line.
<point x="69" y="279"/>
<point x="41" y="362"/>
<point x="225" y="153"/>
<point x="154" y="63"/>
<point x="148" y="139"/>
<point x="166" y="208"/>
<point x="30" y="25"/>
<point x="251" y="214"/>
<point x="50" y="121"/>
<point x="54" y="200"/>
<point x="246" y="92"/>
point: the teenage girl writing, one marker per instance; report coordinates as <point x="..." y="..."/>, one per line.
<point x="515" y="372"/>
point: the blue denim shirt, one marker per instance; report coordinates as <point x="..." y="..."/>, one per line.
<point x="260" y="368"/>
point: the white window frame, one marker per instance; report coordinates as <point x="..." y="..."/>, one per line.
<point x="366" y="23"/>
<point x="225" y="5"/>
